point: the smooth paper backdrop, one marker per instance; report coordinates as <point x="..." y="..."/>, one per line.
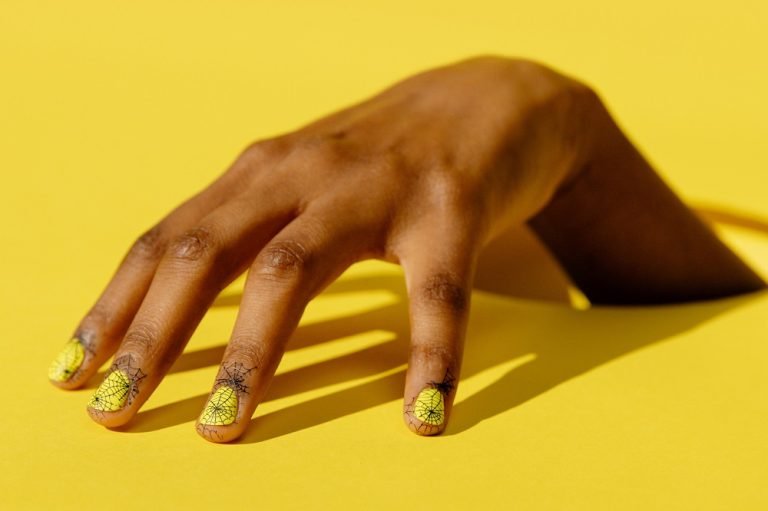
<point x="111" y="113"/>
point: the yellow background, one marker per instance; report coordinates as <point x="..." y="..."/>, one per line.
<point x="113" y="112"/>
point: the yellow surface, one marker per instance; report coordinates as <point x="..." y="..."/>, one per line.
<point x="113" y="112"/>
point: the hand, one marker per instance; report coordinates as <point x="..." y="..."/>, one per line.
<point x="423" y="174"/>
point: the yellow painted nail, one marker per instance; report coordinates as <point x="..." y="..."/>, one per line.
<point x="67" y="361"/>
<point x="112" y="393"/>
<point x="221" y="408"/>
<point x="430" y="407"/>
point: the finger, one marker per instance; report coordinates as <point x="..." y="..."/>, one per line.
<point x="196" y="266"/>
<point x="305" y="257"/>
<point x="99" y="333"/>
<point x="439" y="274"/>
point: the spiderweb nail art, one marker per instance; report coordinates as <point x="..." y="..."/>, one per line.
<point x="429" y="407"/>
<point x="68" y="364"/>
<point x="120" y="386"/>
<point x="426" y="411"/>
<point x="68" y="361"/>
<point x="221" y="409"/>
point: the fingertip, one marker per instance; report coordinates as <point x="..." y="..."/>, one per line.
<point x="109" y="419"/>
<point x="426" y="408"/>
<point x="77" y="380"/>
<point x="218" y="434"/>
<point x="65" y="385"/>
<point x="422" y="428"/>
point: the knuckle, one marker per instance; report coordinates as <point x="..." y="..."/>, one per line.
<point x="150" y="245"/>
<point x="390" y="160"/>
<point x="140" y="338"/>
<point x="491" y="58"/>
<point x="245" y="348"/>
<point x="453" y="195"/>
<point x="445" y="290"/>
<point x="445" y="354"/>
<point x="282" y="259"/>
<point x="576" y="93"/>
<point x="583" y="90"/>
<point x="530" y="66"/>
<point x="586" y="100"/>
<point x="98" y="317"/>
<point x="575" y="117"/>
<point x="194" y="245"/>
<point x="325" y="150"/>
<point x="254" y="158"/>
<point x="518" y="67"/>
<point x="265" y="150"/>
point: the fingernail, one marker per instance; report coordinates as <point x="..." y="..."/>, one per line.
<point x="429" y="407"/>
<point x="113" y="392"/>
<point x="67" y="361"/>
<point x="221" y="408"/>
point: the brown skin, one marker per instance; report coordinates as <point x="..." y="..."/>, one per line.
<point x="424" y="174"/>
